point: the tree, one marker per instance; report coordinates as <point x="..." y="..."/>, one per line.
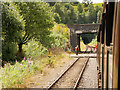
<point x="80" y="8"/>
<point x="81" y="14"/>
<point x="98" y="10"/>
<point x="51" y="3"/>
<point x="88" y="14"/>
<point x="66" y="13"/>
<point x="23" y="22"/>
<point x="92" y="14"/>
<point x="57" y="17"/>
<point x="12" y="26"/>
<point x="38" y="18"/>
<point x="99" y="16"/>
<point x="87" y="3"/>
<point x="71" y="14"/>
<point x="60" y="10"/>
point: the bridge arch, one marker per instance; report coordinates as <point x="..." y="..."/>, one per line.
<point x="76" y="30"/>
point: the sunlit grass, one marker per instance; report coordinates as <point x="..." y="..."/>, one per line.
<point x="14" y="76"/>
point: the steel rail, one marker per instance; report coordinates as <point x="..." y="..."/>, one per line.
<point x="80" y="75"/>
<point x="49" y="87"/>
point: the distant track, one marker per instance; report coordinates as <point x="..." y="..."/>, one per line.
<point x="74" y="72"/>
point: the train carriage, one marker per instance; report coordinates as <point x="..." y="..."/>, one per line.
<point x="108" y="46"/>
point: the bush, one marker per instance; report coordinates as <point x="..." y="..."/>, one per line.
<point x="16" y="74"/>
<point x="13" y="76"/>
<point x="34" y="49"/>
<point x="9" y="51"/>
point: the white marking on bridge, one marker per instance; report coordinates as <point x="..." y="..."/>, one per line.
<point x="82" y="31"/>
<point x="91" y="55"/>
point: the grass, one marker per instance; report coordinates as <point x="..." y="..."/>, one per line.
<point x="14" y="76"/>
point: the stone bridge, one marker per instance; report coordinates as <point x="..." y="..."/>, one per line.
<point x="78" y="29"/>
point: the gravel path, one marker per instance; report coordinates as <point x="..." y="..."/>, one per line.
<point x="70" y="77"/>
<point x="43" y="81"/>
<point x="90" y="78"/>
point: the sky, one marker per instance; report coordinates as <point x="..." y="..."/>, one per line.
<point x="94" y="1"/>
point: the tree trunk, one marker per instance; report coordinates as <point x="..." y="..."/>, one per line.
<point x="20" y="47"/>
<point x="20" y="54"/>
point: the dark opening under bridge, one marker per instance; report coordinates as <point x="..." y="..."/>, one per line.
<point x="76" y="30"/>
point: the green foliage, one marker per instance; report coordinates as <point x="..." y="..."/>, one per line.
<point x="92" y="14"/>
<point x="61" y="35"/>
<point x="99" y="16"/>
<point x="38" y="17"/>
<point x="88" y="14"/>
<point x="80" y="8"/>
<point x="51" y="3"/>
<point x="86" y="3"/>
<point x="34" y="49"/>
<point x="12" y="25"/>
<point x="57" y="18"/>
<point x="81" y="18"/>
<point x="66" y="12"/>
<point x="16" y="74"/>
<point x="23" y="21"/>
<point x="9" y="51"/>
<point x="46" y="39"/>
<point x="84" y="13"/>
<point x="98" y="4"/>
<point x="58" y="38"/>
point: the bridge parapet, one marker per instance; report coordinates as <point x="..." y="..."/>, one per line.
<point x="83" y="28"/>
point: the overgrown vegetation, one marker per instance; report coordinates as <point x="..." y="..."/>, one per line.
<point x="31" y="30"/>
<point x="15" y="75"/>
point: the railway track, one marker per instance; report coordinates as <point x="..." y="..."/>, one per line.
<point x="71" y="77"/>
